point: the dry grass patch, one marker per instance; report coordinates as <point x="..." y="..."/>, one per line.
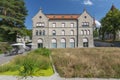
<point x="87" y="62"/>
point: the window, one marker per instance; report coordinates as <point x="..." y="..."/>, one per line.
<point x="63" y="24"/>
<point x="82" y="32"/>
<point x="85" y="17"/>
<point x="63" y="43"/>
<point x="36" y="32"/>
<point x="88" y="32"/>
<point x="72" y="43"/>
<point x="53" y="32"/>
<point x="85" y="24"/>
<point x="40" y="24"/>
<point x="53" y="25"/>
<point x="54" y="43"/>
<point x="63" y="32"/>
<point x="72" y="25"/>
<point x="40" y="32"/>
<point x="85" y="32"/>
<point x="40" y="17"/>
<point x="43" y="32"/>
<point x="71" y="32"/>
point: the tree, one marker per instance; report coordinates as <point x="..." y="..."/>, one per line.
<point x="12" y="18"/>
<point x="111" y="22"/>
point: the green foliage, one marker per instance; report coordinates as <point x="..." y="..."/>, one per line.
<point x="95" y="33"/>
<point x="42" y="51"/>
<point x="4" y="46"/>
<point x="31" y="63"/>
<point x="111" y="23"/>
<point x="12" y="18"/>
<point x="36" y="63"/>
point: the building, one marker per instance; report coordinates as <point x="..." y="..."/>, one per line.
<point x="62" y="30"/>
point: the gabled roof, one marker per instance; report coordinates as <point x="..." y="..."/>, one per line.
<point x="62" y="16"/>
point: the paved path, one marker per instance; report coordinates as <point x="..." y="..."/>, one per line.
<point x="54" y="77"/>
<point x="4" y="59"/>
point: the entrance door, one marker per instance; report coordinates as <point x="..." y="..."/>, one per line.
<point x="85" y="42"/>
<point x="40" y="43"/>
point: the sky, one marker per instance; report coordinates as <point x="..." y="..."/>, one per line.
<point x="96" y="8"/>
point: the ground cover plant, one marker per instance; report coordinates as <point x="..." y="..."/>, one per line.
<point x="87" y="62"/>
<point x="35" y="63"/>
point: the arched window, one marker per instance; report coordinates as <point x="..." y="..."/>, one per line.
<point x="40" y="32"/>
<point x="85" y="42"/>
<point x="63" y="43"/>
<point x="72" y="43"/>
<point x="40" y="43"/>
<point x="36" y="32"/>
<point x="54" y="43"/>
<point x="88" y="32"/>
<point x="85" y="32"/>
<point x="43" y="32"/>
<point x="71" y="32"/>
<point x="53" y="32"/>
<point x="63" y="32"/>
<point x="82" y="32"/>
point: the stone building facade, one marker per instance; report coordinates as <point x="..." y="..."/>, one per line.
<point x="62" y="30"/>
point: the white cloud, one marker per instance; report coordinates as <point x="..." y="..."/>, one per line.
<point x="98" y="24"/>
<point x="88" y="2"/>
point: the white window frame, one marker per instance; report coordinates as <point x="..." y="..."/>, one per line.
<point x="72" y="32"/>
<point x="63" y="32"/>
<point x="63" y="24"/>
<point x="72" y="25"/>
<point x="54" y="25"/>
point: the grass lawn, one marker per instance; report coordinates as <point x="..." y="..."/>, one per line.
<point x="101" y="62"/>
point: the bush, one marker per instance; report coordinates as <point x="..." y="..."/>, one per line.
<point x="4" y="46"/>
<point x="31" y="63"/>
<point x="42" y="51"/>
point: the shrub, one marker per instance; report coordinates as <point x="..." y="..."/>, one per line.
<point x="42" y="51"/>
<point x="4" y="46"/>
<point x="28" y="65"/>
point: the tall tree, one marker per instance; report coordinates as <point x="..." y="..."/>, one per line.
<point x="12" y="18"/>
<point x="111" y="22"/>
